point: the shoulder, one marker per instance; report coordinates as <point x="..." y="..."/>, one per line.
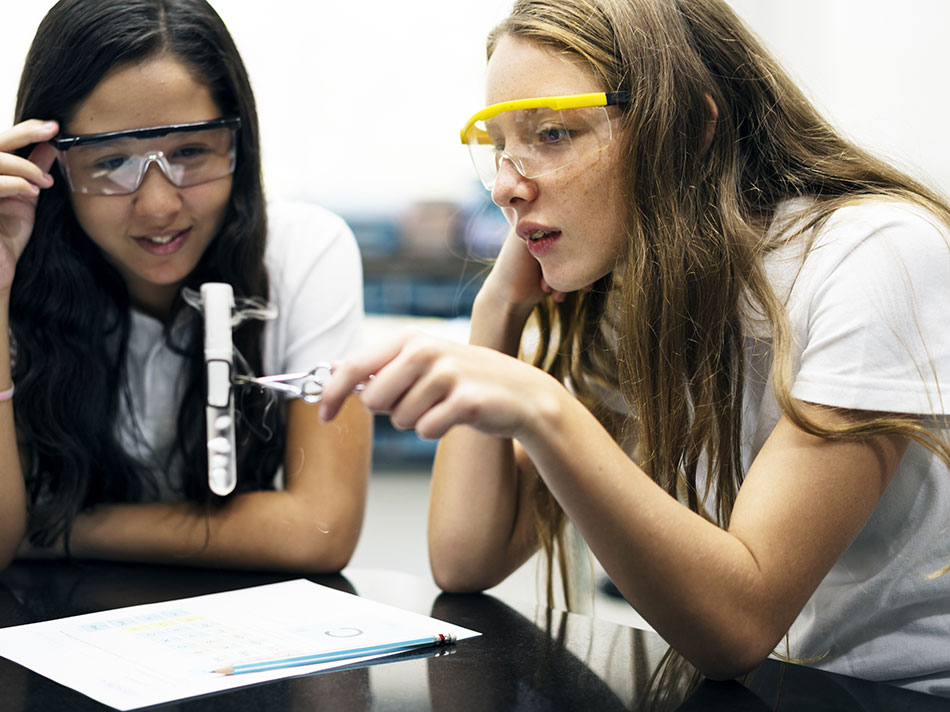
<point x="305" y="225"/>
<point x="305" y="240"/>
<point x="316" y="285"/>
<point x="895" y="229"/>
<point x="874" y="244"/>
<point x="868" y="310"/>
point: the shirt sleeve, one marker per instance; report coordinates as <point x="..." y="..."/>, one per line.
<point x="870" y="311"/>
<point x="316" y="285"/>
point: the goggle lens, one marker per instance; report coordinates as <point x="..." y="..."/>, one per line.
<point x="536" y="141"/>
<point x="117" y="166"/>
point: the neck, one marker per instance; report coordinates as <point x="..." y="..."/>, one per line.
<point x="155" y="301"/>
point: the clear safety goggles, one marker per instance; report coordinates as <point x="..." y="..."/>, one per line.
<point x="115" y="163"/>
<point x="541" y="135"/>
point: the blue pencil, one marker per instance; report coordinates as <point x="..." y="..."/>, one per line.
<point x="334" y="655"/>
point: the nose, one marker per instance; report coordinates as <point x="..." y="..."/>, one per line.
<point x="510" y="186"/>
<point x="156" y="195"/>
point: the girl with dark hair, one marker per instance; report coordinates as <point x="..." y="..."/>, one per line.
<point x="132" y="174"/>
<point x="738" y="393"/>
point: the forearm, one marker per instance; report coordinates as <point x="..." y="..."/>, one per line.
<point x="480" y="527"/>
<point x="13" y="501"/>
<point x="497" y="323"/>
<point x="680" y="572"/>
<point x="256" y="530"/>
<point x="721" y="598"/>
<point x="312" y="525"/>
<point x="478" y="530"/>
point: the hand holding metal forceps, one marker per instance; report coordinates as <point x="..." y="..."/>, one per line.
<point x="309" y="389"/>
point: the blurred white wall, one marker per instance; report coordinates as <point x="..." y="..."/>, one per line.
<point x="878" y="69"/>
<point x="361" y="102"/>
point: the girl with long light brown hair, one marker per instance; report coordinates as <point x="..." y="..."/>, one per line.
<point x="738" y="397"/>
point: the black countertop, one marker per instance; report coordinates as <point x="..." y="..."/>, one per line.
<point x="527" y="658"/>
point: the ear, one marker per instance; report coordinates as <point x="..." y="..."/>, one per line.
<point x="712" y="116"/>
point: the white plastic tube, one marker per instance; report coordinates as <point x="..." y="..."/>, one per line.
<point x="217" y="304"/>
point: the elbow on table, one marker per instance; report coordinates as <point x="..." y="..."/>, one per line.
<point x="320" y="553"/>
<point x="730" y="668"/>
<point x="465" y="563"/>
<point x="324" y="561"/>
<point x="456" y="584"/>
<point x="733" y="654"/>
<point x="331" y="562"/>
<point x="456" y="575"/>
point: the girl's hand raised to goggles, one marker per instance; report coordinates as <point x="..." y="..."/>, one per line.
<point x="21" y="180"/>
<point x="429" y="385"/>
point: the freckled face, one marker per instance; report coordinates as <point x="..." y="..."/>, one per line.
<point x="578" y="208"/>
<point x="156" y="236"/>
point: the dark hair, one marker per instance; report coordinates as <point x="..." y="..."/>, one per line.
<point x="70" y="309"/>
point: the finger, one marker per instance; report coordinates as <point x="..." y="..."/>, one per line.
<point x="26" y="170"/>
<point x="437" y="420"/>
<point x="388" y="387"/>
<point x="467" y="403"/>
<point x="415" y="389"/>
<point x="27" y="132"/>
<point x="357" y="369"/>
<point x="555" y="294"/>
<point x="43" y="156"/>
<point x="15" y="187"/>
<point x="430" y="427"/>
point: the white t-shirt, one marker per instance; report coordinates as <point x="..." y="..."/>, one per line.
<point x="316" y="285"/>
<point x="870" y="313"/>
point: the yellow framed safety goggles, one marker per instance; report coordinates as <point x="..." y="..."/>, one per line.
<point x="539" y="135"/>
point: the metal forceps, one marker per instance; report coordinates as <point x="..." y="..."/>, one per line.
<point x="309" y="386"/>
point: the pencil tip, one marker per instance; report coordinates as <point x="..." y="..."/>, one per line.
<point x="229" y="670"/>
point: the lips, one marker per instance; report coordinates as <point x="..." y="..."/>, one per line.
<point x="533" y="232"/>
<point x="539" y="239"/>
<point x="165" y="242"/>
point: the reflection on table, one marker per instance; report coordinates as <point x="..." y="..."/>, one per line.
<point x="527" y="658"/>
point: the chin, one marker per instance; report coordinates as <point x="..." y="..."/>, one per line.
<point x="565" y="285"/>
<point x="568" y="283"/>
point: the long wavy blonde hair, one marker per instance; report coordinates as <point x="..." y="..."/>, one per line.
<point x="666" y="329"/>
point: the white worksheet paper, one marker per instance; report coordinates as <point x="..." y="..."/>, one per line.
<point x="159" y="652"/>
